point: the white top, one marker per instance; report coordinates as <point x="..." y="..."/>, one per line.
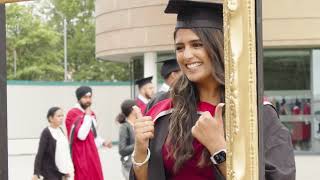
<point x="62" y="155"/>
<point x="164" y="88"/>
<point x="143" y="99"/>
<point x="86" y="127"/>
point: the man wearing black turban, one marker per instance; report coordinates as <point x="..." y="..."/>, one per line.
<point x="81" y="126"/>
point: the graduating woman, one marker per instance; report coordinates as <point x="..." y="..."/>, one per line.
<point x="53" y="160"/>
<point x="182" y="137"/>
<point x="187" y="142"/>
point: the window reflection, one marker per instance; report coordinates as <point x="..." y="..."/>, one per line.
<point x="290" y="86"/>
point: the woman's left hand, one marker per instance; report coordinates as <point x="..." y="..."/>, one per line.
<point x="209" y="130"/>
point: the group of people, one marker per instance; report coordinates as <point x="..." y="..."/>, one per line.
<point x="75" y="155"/>
<point x="178" y="133"/>
<point x="292" y="107"/>
<point x="170" y="72"/>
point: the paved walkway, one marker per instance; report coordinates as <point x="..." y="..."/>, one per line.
<point x="21" y="167"/>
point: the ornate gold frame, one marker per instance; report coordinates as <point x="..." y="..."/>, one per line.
<point x="241" y="93"/>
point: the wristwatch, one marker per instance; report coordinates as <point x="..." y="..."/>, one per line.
<point x="219" y="157"/>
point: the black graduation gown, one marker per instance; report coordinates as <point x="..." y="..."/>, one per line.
<point x="278" y="150"/>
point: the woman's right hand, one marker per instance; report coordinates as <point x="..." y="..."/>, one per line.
<point x="144" y="131"/>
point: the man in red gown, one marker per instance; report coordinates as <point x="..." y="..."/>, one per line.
<point x="81" y="126"/>
<point x="146" y="92"/>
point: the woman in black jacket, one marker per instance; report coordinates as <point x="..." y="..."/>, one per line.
<point x="53" y="160"/>
<point x="126" y="135"/>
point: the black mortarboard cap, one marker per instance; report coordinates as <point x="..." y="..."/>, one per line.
<point x="168" y="66"/>
<point x="82" y="91"/>
<point x="197" y="13"/>
<point x="143" y="81"/>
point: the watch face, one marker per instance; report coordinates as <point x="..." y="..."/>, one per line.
<point x="220" y="157"/>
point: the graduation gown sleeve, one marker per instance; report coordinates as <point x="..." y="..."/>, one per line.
<point x="41" y="152"/>
<point x="278" y="149"/>
<point x="71" y="117"/>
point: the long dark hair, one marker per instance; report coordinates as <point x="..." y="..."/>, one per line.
<point x="51" y="112"/>
<point x="126" y="109"/>
<point x="186" y="97"/>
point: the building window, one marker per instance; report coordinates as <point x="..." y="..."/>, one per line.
<point x="287" y="69"/>
<point x="287" y="84"/>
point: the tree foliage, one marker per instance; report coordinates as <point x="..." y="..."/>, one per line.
<point x="35" y="33"/>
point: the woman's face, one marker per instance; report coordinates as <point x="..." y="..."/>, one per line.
<point x="57" y="119"/>
<point x="192" y="57"/>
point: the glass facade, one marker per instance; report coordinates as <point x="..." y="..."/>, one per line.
<point x="289" y="85"/>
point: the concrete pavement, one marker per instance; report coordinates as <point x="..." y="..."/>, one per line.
<point x="21" y="166"/>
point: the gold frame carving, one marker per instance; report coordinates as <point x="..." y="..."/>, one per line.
<point x="241" y="93"/>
